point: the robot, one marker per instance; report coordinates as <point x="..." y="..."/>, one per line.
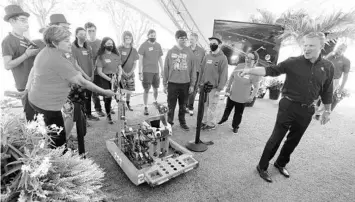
<point x="145" y="151"/>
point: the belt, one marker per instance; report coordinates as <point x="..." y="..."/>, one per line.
<point x="302" y="104"/>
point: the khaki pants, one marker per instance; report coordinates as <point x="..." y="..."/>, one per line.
<point x="209" y="115"/>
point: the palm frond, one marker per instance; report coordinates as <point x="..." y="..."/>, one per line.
<point x="335" y="20"/>
<point x="266" y="17"/>
<point x="348" y="32"/>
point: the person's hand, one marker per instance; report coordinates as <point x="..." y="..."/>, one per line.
<point x="109" y="93"/>
<point x="141" y="76"/>
<point x="242" y="72"/>
<point x="325" y="118"/>
<point x="166" y="89"/>
<point x="31" y="52"/>
<point x="191" y="89"/>
<point x="250" y="99"/>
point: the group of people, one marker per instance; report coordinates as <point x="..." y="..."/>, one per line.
<point x="59" y="77"/>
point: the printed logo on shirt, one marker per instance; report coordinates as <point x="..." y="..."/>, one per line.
<point x="179" y="61"/>
<point x="209" y="61"/>
<point x="124" y="53"/>
<point x="150" y="48"/>
<point x="84" y="52"/>
<point x="107" y="60"/>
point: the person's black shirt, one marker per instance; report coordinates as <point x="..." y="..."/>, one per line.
<point x="305" y="81"/>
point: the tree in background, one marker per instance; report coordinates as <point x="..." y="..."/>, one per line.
<point x="299" y="23"/>
<point x="124" y="18"/>
<point x="39" y="8"/>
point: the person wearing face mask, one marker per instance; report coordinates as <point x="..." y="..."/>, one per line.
<point x="18" y="52"/>
<point x="150" y="54"/>
<point x="108" y="63"/>
<point x="179" y="77"/>
<point x="82" y="56"/>
<point x="239" y="91"/>
<point x="129" y="56"/>
<point x="214" y="69"/>
<point x="53" y="72"/>
<point x="200" y="54"/>
<point x="307" y="77"/>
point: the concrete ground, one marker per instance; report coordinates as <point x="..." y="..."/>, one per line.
<point x="321" y="167"/>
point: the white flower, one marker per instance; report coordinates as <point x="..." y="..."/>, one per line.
<point x="43" y="168"/>
<point x="41" y="144"/>
<point x="25" y="168"/>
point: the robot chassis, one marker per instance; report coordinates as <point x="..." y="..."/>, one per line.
<point x="145" y="151"/>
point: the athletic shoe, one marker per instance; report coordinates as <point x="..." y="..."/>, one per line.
<point x="235" y="130"/>
<point x="191" y="112"/>
<point x="146" y="111"/>
<point x="100" y="113"/>
<point x="221" y="122"/>
<point x="209" y="127"/>
<point x="185" y="127"/>
<point x="109" y="119"/>
<point x="90" y="117"/>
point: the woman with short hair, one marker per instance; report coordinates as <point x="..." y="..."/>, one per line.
<point x="129" y="56"/>
<point x="108" y="63"/>
<point x="53" y="72"/>
<point x="239" y="91"/>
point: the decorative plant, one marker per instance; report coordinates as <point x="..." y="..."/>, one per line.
<point x="299" y="23"/>
<point x="262" y="89"/>
<point x="339" y="95"/>
<point x="274" y="84"/>
<point x="31" y="171"/>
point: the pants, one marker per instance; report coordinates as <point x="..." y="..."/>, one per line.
<point x="238" y="112"/>
<point x="53" y="117"/>
<point x="191" y="98"/>
<point x="87" y="102"/>
<point x="209" y="115"/>
<point x="292" y="118"/>
<point x="95" y="96"/>
<point x="177" y="92"/>
<point x="27" y="108"/>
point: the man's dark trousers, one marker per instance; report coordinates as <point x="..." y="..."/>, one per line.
<point x="293" y="117"/>
<point x="177" y="92"/>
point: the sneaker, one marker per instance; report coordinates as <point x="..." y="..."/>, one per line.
<point x="109" y="120"/>
<point x="100" y="113"/>
<point x="90" y="117"/>
<point x="191" y="112"/>
<point x="187" y="110"/>
<point x="221" y="122"/>
<point x="146" y="111"/>
<point x="185" y="127"/>
<point x="235" y="130"/>
<point x="317" y="117"/>
<point x="207" y="127"/>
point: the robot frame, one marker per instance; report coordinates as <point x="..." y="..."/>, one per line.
<point x="145" y="152"/>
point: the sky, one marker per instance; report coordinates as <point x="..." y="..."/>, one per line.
<point x="202" y="11"/>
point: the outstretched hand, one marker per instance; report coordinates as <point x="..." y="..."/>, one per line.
<point x="242" y="72"/>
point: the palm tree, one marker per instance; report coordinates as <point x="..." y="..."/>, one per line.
<point x="299" y="23"/>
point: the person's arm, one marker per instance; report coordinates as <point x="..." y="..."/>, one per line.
<point x="230" y="82"/>
<point x="275" y="70"/>
<point x="161" y="66"/>
<point x="140" y="64"/>
<point x="223" y="74"/>
<point x="201" y="79"/>
<point x="327" y="90"/>
<point x="133" y="68"/>
<point x="81" y="81"/>
<point x="100" y="73"/>
<point x="166" y="70"/>
<point x="77" y="67"/>
<point x="256" y="86"/>
<point x="345" y="75"/>
<point x="8" y="52"/>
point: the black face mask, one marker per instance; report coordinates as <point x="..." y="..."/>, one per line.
<point x="109" y="48"/>
<point x="152" y="40"/>
<point x="213" y="47"/>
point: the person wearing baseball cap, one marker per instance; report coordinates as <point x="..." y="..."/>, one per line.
<point x="214" y="69"/>
<point x="179" y="77"/>
<point x="18" y="52"/>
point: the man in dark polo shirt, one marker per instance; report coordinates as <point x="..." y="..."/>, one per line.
<point x="150" y="53"/>
<point x="18" y="52"/>
<point x="200" y="54"/>
<point x="307" y="77"/>
<point x="83" y="57"/>
<point x="94" y="43"/>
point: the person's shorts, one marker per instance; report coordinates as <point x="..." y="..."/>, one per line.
<point x="150" y="79"/>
